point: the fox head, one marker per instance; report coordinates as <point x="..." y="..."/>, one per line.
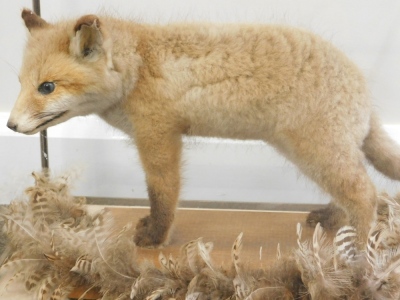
<point x="66" y="68"/>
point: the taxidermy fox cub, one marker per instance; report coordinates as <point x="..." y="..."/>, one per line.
<point x="156" y="83"/>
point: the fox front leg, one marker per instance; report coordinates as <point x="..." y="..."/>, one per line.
<point x="161" y="157"/>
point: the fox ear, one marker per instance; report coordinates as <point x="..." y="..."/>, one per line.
<point x="88" y="39"/>
<point x="32" y="20"/>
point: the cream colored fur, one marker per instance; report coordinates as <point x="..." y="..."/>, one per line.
<point x="156" y="83"/>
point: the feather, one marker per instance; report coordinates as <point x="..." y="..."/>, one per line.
<point x="241" y="288"/>
<point x="190" y="252"/>
<point x="170" y="265"/>
<point x="168" y="289"/>
<point x="51" y="231"/>
<point x="52" y="244"/>
<point x="193" y="296"/>
<point x="241" y="283"/>
<point x="204" y="251"/>
<point x="318" y="238"/>
<point x="83" y="265"/>
<point x="270" y="293"/>
<point x="317" y="266"/>
<point x="299" y="231"/>
<point x="135" y="290"/>
<point x="163" y="261"/>
<point x="148" y="281"/>
<point x="388" y="219"/>
<point x="20" y="264"/>
<point x="61" y="293"/>
<point x="383" y="280"/>
<point x="344" y="246"/>
<point x="157" y="294"/>
<point x="210" y="284"/>
<point x="235" y="253"/>
<point x="278" y="252"/>
<point x="15" y="226"/>
<point x="281" y="276"/>
<point x="372" y="248"/>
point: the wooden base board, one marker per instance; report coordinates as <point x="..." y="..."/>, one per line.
<point x="263" y="230"/>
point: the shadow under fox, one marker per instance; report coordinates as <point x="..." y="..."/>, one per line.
<point x="278" y="84"/>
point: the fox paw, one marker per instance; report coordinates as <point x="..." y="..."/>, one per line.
<point x="149" y="235"/>
<point x="330" y="217"/>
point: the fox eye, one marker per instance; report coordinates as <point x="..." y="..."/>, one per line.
<point x="46" y="88"/>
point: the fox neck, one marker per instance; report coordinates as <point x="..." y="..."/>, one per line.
<point x="126" y="63"/>
<point x="116" y="116"/>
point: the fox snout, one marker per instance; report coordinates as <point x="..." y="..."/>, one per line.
<point x="33" y="123"/>
<point x="22" y="122"/>
<point x="13" y="126"/>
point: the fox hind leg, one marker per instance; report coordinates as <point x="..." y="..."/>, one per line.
<point x="353" y="192"/>
<point x="337" y="167"/>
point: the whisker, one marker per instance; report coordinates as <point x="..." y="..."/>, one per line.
<point x="43" y="115"/>
<point x="13" y="69"/>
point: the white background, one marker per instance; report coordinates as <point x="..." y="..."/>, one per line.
<point x="368" y="31"/>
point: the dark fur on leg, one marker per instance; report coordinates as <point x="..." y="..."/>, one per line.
<point x="330" y="217"/>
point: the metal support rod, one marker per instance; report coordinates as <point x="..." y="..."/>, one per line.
<point x="36" y="6"/>
<point x="44" y="152"/>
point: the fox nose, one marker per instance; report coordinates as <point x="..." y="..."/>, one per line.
<point x="12" y="125"/>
